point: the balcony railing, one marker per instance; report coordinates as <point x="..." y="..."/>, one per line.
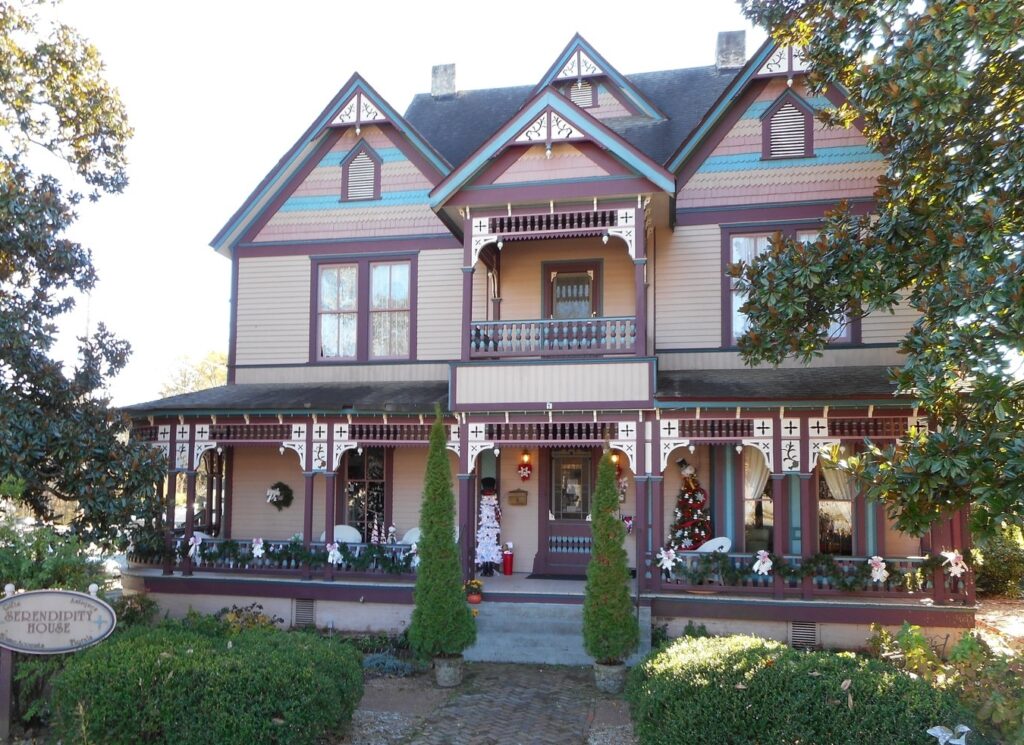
<point x="555" y="337"/>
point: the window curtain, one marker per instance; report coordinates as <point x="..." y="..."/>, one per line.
<point x="755" y="473"/>
<point x="843" y="485"/>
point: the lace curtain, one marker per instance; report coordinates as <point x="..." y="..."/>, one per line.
<point x="842" y="484"/>
<point x="755" y="473"/>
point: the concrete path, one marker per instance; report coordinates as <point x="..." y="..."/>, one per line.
<point x="497" y="704"/>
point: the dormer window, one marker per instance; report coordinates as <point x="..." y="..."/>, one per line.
<point x="787" y="128"/>
<point x="582" y="93"/>
<point x="360" y="175"/>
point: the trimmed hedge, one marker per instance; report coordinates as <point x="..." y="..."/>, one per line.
<point x="175" y="684"/>
<point x="742" y="689"/>
<point x="1002" y="571"/>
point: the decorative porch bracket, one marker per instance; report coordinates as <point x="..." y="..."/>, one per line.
<point x="764" y="447"/>
<point x="667" y="446"/>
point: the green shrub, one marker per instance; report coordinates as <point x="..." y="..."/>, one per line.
<point x="242" y="618"/>
<point x="991" y="685"/>
<point x="138" y="609"/>
<point x="174" y="684"/>
<point x="1002" y="573"/>
<point x="442" y="623"/>
<point x="610" y="629"/>
<point x="747" y="690"/>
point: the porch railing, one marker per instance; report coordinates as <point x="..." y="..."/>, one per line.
<point x="696" y="573"/>
<point x="554" y="337"/>
<point x="287" y="557"/>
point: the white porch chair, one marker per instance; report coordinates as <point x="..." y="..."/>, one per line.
<point x="715" y="545"/>
<point x="413" y="535"/>
<point x="344" y="534"/>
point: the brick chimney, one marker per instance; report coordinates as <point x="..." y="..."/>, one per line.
<point x="442" y="81"/>
<point x="732" y="50"/>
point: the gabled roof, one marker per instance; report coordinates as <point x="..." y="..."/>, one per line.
<point x="458" y="125"/>
<point x="550" y="103"/>
<point x="355" y="103"/>
<point x="580" y="60"/>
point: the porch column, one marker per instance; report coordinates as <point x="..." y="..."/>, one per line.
<point x="644" y="508"/>
<point x="640" y="283"/>
<point x="228" y="496"/>
<point x="965" y="545"/>
<point x="780" y="521"/>
<point x="190" y="520"/>
<point x="307" y="517"/>
<point x="465" y="504"/>
<point x="658" y="523"/>
<point x="166" y="496"/>
<point x="941" y="540"/>
<point x="218" y="495"/>
<point x="210" y="455"/>
<point x="808" y="529"/>
<point x="329" y="479"/>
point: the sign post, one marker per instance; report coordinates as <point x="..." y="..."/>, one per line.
<point x="46" y="622"/>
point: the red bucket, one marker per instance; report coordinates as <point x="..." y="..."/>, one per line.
<point x="506" y="563"/>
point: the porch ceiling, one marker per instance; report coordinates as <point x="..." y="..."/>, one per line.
<point x="816" y="383"/>
<point x="253" y="398"/>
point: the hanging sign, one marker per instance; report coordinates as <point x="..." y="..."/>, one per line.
<point x="53" y="621"/>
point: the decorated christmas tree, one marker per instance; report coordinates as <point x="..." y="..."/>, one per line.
<point x="692" y="524"/>
<point x="488" y="549"/>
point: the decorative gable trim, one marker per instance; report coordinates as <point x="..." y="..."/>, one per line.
<point x="358" y="110"/>
<point x="311" y="146"/>
<point x="787" y="61"/>
<point x="552" y="115"/>
<point x="580" y="60"/>
<point x="787" y="128"/>
<point x="360" y="174"/>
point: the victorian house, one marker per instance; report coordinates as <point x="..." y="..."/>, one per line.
<point x="546" y="264"/>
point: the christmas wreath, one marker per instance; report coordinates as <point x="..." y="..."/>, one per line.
<point x="280" y="495"/>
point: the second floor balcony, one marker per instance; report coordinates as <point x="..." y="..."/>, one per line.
<point x="563" y="337"/>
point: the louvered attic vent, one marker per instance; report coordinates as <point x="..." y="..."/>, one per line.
<point x="361" y="177"/>
<point x="582" y="93"/>
<point x="788" y="132"/>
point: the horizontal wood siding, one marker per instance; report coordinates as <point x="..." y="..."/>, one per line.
<point x="730" y="360"/>
<point x="315" y="211"/>
<point x="884" y="327"/>
<point x="521" y="281"/>
<point x="511" y="384"/>
<point x="843" y="166"/>
<point x="273" y="310"/>
<point x="900" y="544"/>
<point x="439" y="298"/>
<point x="566" y="162"/>
<point x="410" y="466"/>
<point x="688" y="292"/>
<point x="254" y="470"/>
<point x="344" y="373"/>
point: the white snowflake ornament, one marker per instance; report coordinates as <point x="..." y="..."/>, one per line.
<point x="763" y="565"/>
<point x="878" y="571"/>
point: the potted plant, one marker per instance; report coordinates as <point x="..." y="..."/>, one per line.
<point x="442" y="623"/>
<point x="610" y="629"/>
<point x="474" y="591"/>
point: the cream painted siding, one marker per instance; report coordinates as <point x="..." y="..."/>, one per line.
<point x="689" y="291"/>
<point x="273" y="310"/>
<point x="730" y="360"/>
<point x="480" y="310"/>
<point x="409" y="468"/>
<point x="900" y="544"/>
<point x="344" y="373"/>
<point x="561" y="383"/>
<point x="439" y="304"/>
<point x="519" y="522"/>
<point x="254" y="469"/>
<point x="879" y="328"/>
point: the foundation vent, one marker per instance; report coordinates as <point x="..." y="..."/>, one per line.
<point x="303" y="612"/>
<point x="803" y="635"/>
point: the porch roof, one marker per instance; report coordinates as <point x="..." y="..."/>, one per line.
<point x="274" y="398"/>
<point x="771" y="384"/>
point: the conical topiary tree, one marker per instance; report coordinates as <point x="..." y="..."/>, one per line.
<point x="442" y="624"/>
<point x="610" y="629"/>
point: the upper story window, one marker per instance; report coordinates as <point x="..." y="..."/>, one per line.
<point x="745" y="246"/>
<point x="787" y="128"/>
<point x="360" y="174"/>
<point x="364" y="311"/>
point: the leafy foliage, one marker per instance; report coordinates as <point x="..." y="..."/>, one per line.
<point x="610" y="630"/>
<point x="1003" y="570"/>
<point x="58" y="437"/>
<point x="177" y="684"/>
<point x="442" y="624"/>
<point x="40" y="557"/>
<point x="936" y="90"/>
<point x="741" y="689"/>
<point x="196" y="375"/>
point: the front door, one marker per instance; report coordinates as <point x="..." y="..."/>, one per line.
<point x="565" y="534"/>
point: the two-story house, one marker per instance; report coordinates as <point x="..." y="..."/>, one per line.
<point x="547" y="264"/>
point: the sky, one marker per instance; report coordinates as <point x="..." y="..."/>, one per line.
<point x="217" y="91"/>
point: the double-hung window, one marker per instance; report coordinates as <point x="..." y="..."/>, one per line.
<point x="364" y="311"/>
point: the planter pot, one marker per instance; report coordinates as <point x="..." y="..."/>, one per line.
<point x="474" y="599"/>
<point x="610" y="678"/>
<point x="448" y="671"/>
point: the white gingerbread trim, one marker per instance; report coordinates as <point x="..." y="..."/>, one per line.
<point x="357" y="110"/>
<point x="181" y="454"/>
<point x="475" y="448"/>
<point x="163" y="433"/>
<point x="299" y="446"/>
<point x="791" y="456"/>
<point x="765" y="448"/>
<point x="667" y="446"/>
<point x="340" y="446"/>
<point x="917" y="424"/>
<point x="628" y="448"/>
<point x="319" y="453"/>
<point x="198" y="449"/>
<point x="579" y="65"/>
<point x="817" y="447"/>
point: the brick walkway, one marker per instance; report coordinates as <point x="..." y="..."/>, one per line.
<point x="497" y="704"/>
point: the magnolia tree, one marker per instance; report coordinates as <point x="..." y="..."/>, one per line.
<point x="936" y="88"/>
<point x="59" y="439"/>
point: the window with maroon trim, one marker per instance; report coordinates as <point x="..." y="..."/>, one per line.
<point x="366" y="492"/>
<point x="743" y="244"/>
<point x="787" y="128"/>
<point x="364" y="310"/>
<point x="360" y="174"/>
